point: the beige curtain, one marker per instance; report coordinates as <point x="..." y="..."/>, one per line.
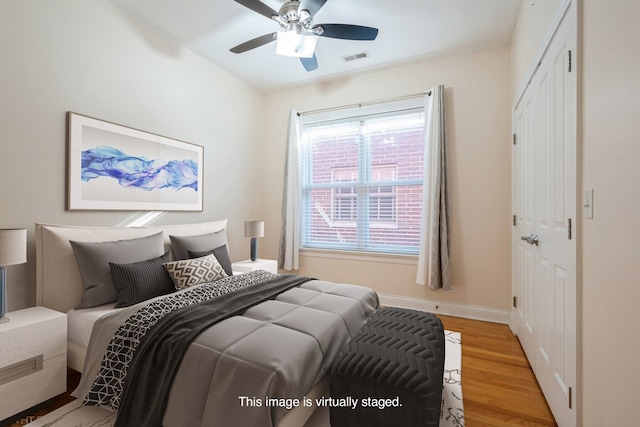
<point x="433" y="260"/>
<point x="290" y="231"/>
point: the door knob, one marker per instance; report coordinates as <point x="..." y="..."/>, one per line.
<point x="531" y="239"/>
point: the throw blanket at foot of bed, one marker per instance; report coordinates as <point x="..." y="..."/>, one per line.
<point x="391" y="372"/>
<point x="209" y="365"/>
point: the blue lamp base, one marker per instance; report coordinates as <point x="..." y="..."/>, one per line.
<point x="254" y="248"/>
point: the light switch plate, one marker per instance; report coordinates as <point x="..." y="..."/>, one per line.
<point x="588" y="203"/>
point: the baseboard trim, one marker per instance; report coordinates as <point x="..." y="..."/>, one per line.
<point x="464" y="311"/>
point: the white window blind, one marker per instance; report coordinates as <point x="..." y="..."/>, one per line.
<point x="362" y="176"/>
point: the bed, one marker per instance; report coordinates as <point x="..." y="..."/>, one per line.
<point x="261" y="359"/>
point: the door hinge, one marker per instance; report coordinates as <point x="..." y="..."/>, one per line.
<point x="570" y="398"/>
<point x="569" y="228"/>
<point x="515" y="302"/>
<point x="515" y="139"/>
<point x="514" y="220"/>
<point x="569" y="54"/>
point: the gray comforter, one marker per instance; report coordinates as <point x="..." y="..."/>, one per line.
<point x="245" y="370"/>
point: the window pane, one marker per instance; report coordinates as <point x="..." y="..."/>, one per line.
<point x="404" y="230"/>
<point x="323" y="230"/>
<point x="331" y="148"/>
<point x="399" y="141"/>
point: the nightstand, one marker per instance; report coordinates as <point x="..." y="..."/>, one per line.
<point x="33" y="359"/>
<point x="270" y="265"/>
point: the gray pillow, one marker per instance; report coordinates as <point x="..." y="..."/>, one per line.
<point x="181" y="245"/>
<point x="93" y="260"/>
<point x="140" y="281"/>
<point x="221" y="254"/>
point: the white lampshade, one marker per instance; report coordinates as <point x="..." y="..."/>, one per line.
<point x="253" y="228"/>
<point x="13" y="246"/>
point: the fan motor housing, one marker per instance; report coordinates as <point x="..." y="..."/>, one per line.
<point x="289" y="11"/>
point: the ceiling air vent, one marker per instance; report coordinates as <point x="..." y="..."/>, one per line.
<point x="355" y="57"/>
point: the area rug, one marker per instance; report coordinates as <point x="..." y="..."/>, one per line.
<point x="75" y="415"/>
<point x="452" y="412"/>
<point x="451" y="415"/>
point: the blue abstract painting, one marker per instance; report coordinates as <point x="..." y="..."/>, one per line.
<point x="138" y="172"/>
<point x="114" y="167"/>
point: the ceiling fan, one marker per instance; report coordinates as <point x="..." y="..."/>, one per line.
<point x="298" y="35"/>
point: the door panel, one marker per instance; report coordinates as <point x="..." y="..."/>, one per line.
<point x="544" y="295"/>
<point x="524" y="267"/>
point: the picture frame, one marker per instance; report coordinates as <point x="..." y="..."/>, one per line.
<point x="114" y="167"/>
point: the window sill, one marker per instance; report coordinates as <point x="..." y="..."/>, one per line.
<point x="360" y="256"/>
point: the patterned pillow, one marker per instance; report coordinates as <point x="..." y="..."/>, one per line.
<point x="191" y="272"/>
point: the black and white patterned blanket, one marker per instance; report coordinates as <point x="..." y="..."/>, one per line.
<point x="108" y="386"/>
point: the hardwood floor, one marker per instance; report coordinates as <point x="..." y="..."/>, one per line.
<point x="498" y="385"/>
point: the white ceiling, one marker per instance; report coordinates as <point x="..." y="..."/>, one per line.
<point x="410" y="31"/>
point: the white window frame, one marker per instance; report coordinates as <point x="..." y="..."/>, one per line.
<point x="306" y="187"/>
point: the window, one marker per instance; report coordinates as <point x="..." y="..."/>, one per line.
<point x="362" y="180"/>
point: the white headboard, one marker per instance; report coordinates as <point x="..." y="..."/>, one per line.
<point x="58" y="281"/>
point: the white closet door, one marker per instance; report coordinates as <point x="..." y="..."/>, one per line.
<point x="544" y="263"/>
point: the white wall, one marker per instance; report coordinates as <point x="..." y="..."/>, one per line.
<point x="89" y="57"/>
<point x="478" y="126"/>
<point x="611" y="241"/>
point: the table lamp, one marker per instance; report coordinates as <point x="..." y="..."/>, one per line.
<point x="13" y="250"/>
<point x="254" y="229"/>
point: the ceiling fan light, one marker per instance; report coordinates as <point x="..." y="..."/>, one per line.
<point x="289" y="43"/>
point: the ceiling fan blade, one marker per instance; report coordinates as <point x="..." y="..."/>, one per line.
<point x="258" y="6"/>
<point x="254" y="43"/>
<point x="348" y="31"/>
<point x="313" y="6"/>
<point x="310" y="64"/>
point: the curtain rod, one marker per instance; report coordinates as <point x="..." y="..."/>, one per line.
<point x="399" y="98"/>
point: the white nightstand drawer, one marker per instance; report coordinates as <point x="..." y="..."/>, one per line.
<point x="33" y="359"/>
<point x="35" y="388"/>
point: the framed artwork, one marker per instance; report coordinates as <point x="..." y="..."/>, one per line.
<point x="114" y="167"/>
